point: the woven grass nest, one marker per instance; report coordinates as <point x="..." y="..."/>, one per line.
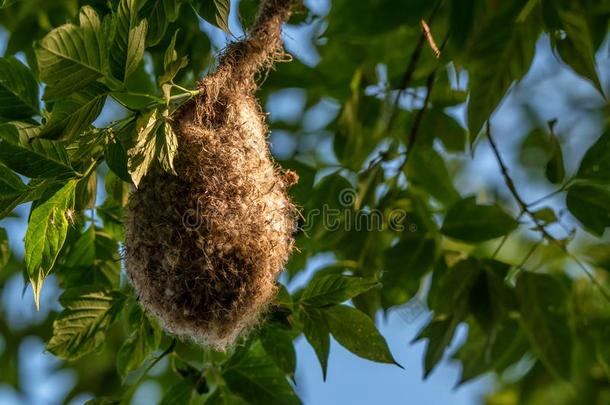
<point x="203" y="248"/>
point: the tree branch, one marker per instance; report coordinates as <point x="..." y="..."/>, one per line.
<point x="539" y="226"/>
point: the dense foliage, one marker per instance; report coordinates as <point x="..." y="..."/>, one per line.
<point x="530" y="291"/>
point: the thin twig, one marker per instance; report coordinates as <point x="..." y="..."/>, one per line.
<point x="426" y="30"/>
<point x="408" y="75"/>
<point x="417" y="121"/>
<point x="539" y="226"/>
<point x="420" y="114"/>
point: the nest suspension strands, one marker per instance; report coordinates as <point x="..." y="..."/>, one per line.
<point x="203" y="248"/>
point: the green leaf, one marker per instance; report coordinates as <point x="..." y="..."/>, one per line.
<point x="215" y="12"/>
<point x="74" y="114"/>
<point x="167" y="147"/>
<point x="595" y="165"/>
<point x="315" y="329"/>
<point x="222" y="396"/>
<point x="469" y="222"/>
<point x="170" y="54"/>
<point x="426" y="169"/>
<point x="104" y="401"/>
<point x="404" y="266"/>
<point x="80" y="328"/>
<point x="490" y="298"/>
<point x="439" y="332"/>
<point x="71" y="57"/>
<point x="543" y="300"/>
<point x="86" y="192"/>
<point x="5" y="251"/>
<point x="11" y="186"/>
<point x="129" y="42"/>
<point x="356" y="332"/>
<point x="23" y="130"/>
<point x="7" y="3"/>
<point x="93" y="259"/>
<point x="589" y="204"/>
<point x="256" y="378"/>
<point x="576" y="47"/>
<point x="453" y="295"/>
<point x="354" y="138"/>
<point x="589" y="197"/>
<point x="142" y="154"/>
<point x="452" y="287"/>
<point x="546" y="215"/>
<point x="42" y="158"/>
<point x="33" y="191"/>
<point x="555" y="171"/>
<point x="142" y="341"/>
<point x="482" y="353"/>
<point x="116" y="157"/>
<point x="501" y="52"/>
<point x="18" y="90"/>
<point x="171" y="65"/>
<point x="46" y="233"/>
<point x="277" y="343"/>
<point x="334" y="289"/>
<point x="158" y="13"/>
<point x="179" y="393"/>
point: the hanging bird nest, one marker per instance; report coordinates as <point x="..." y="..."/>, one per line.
<point x="203" y="248"/>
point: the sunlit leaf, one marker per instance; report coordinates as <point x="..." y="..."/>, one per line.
<point x="129" y="42"/>
<point x="46" y="233"/>
<point x="80" y="328"/>
<point x="167" y="147"/>
<point x="142" y="155"/>
<point x="70" y="57"/>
